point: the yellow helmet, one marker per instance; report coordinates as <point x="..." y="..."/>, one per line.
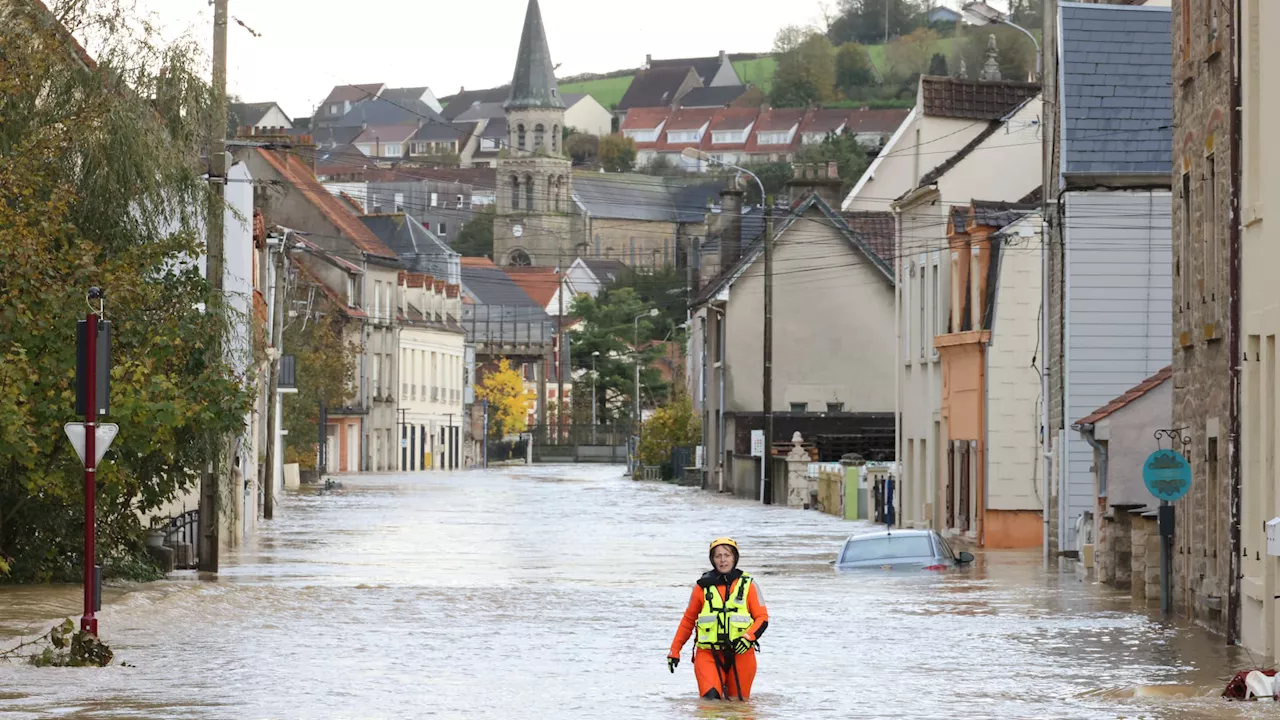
<point x="723" y="541"/>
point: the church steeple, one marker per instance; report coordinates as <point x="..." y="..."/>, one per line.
<point x="534" y="83"/>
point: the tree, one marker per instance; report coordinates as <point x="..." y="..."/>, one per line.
<point x="326" y="373"/>
<point x="938" y="65"/>
<point x="672" y="425"/>
<point x="582" y="148"/>
<point x="805" y="70"/>
<point x="907" y="57"/>
<point x="100" y="184"/>
<point x="476" y="237"/>
<point x="1027" y="13"/>
<point x="509" y="401"/>
<point x="607" y="328"/>
<point x="853" y="68"/>
<point x="851" y="158"/>
<point x="617" y="153"/>
<point x="864" y="21"/>
<point x="773" y="175"/>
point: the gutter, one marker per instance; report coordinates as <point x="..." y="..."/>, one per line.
<point x="1086" y="431"/>
<point x="1233" y="333"/>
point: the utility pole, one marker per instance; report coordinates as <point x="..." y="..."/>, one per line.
<point x="767" y="494"/>
<point x="214" y="252"/>
<point x="560" y="355"/>
<point x="273" y="383"/>
<point x="886" y="42"/>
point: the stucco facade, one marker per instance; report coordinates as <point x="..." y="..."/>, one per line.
<point x="1260" y="324"/>
<point x="432" y="357"/>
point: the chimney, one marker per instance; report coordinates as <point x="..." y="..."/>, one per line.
<point x="824" y="181"/>
<point x="723" y="57"/>
<point x="648" y="61"/>
<point x="730" y="226"/>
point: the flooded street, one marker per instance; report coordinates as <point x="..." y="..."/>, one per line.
<point x="554" y="592"/>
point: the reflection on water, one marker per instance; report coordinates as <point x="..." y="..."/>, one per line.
<point x="553" y="592"/>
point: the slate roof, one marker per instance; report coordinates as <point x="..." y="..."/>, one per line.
<point x="436" y="132"/>
<point x="455" y="105"/>
<point x="1000" y="214"/>
<point x="539" y="283"/>
<point x="1130" y="396"/>
<point x="480" y="111"/>
<point x="656" y="87"/>
<point x="248" y="114"/>
<point x="353" y="93"/>
<point x="406" y="236"/>
<point x="706" y="67"/>
<point x="386" y="134"/>
<point x="1117" y="95"/>
<point x="489" y="285"/>
<point x="606" y="270"/>
<point x="301" y="177"/>
<point x="533" y="85"/>
<point x="390" y="111"/>
<point x="628" y="196"/>
<point x="719" y="96"/>
<point x="973" y="99"/>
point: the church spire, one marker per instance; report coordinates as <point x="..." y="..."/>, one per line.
<point x="534" y="83"/>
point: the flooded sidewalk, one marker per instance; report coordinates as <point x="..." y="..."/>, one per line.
<point x="554" y="591"/>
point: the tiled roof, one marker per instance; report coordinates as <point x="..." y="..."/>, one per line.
<point x="690" y="119"/>
<point x="718" y="96"/>
<point x="1133" y="394"/>
<point x="656" y="87"/>
<point x="973" y="99"/>
<point x="774" y="120"/>
<point x="878" y="228"/>
<point x="1116" y="90"/>
<point x="606" y="270"/>
<point x="353" y="93"/>
<point x="301" y="177"/>
<point x="876" y="121"/>
<point x="824" y="121"/>
<point x="644" y="118"/>
<point x="489" y="285"/>
<point x="958" y="215"/>
<point x="538" y="282"/>
<point x="991" y="214"/>
<point x="734" y="119"/>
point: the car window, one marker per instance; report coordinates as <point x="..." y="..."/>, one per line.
<point x="946" y="549"/>
<point x="887" y="548"/>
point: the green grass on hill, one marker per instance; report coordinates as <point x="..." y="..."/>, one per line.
<point x="607" y="91"/>
<point x="758" y="72"/>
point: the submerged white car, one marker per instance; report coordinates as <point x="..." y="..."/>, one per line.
<point x="900" y="550"/>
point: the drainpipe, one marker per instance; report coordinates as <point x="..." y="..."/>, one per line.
<point x="1086" y="431"/>
<point x="1233" y="334"/>
<point x="1047" y="454"/>
<point x="724" y="362"/>
<point x="702" y="393"/>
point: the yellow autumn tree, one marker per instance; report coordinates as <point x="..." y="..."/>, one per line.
<point x="509" y="401"/>
<point x="672" y="425"/>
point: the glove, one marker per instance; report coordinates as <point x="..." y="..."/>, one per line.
<point x="672" y="662"/>
<point x="742" y="645"/>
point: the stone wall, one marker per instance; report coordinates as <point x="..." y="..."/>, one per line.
<point x="1145" y="566"/>
<point x="1201" y="296"/>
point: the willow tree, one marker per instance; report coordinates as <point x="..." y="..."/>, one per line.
<point x="101" y="185"/>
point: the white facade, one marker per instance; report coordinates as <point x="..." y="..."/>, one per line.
<point x="432" y="371"/>
<point x="589" y="116"/>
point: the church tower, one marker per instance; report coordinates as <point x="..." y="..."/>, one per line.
<point x="534" y="173"/>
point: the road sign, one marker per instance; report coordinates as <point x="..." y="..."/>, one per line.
<point x="757" y="443"/>
<point x="102" y="437"/>
<point x="1167" y="475"/>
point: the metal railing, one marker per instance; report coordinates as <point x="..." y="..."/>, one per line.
<point x="581" y="434"/>
<point x="507" y="325"/>
<point x="185" y="529"/>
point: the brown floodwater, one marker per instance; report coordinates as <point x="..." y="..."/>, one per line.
<point x="554" y="592"/>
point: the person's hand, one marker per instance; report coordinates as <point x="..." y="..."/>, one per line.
<point x="672" y="662"/>
<point x="741" y="645"/>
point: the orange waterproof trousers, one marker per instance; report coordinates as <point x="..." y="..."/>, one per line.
<point x="730" y="681"/>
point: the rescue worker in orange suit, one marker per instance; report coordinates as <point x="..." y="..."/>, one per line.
<point x="729" y="616"/>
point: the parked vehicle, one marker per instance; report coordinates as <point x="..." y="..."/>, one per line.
<point x="900" y="550"/>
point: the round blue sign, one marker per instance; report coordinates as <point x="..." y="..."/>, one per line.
<point x="1167" y="474"/>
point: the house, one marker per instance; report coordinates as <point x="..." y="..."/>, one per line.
<point x="660" y="87"/>
<point x="683" y="129"/>
<point x="644" y="126"/>
<point x="715" y="71"/>
<point x="721" y="96"/>
<point x="775" y="136"/>
<point x="392" y="107"/>
<point x="1110" y="274"/>
<point x="948" y="115"/>
<point x="639" y="220"/>
<point x="590" y="275"/>
<point x="413" y="95"/>
<point x="465" y="99"/>
<point x="432" y="362"/>
<point x="1203" y="393"/>
<point x="255" y="117"/>
<point x="359" y="269"/>
<point x="1121" y="434"/>
<point x="986" y="493"/>
<point x="385" y="142"/>
<point x="582" y="112"/>
<point x="729" y="131"/>
<point x="542" y="285"/>
<point x="420" y="250"/>
<point x="340" y="100"/>
<point x="1002" y="161"/>
<point x="873" y="128"/>
<point x="832" y="369"/>
<point x="944" y="14"/>
<point x="1258" y="259"/>
<point x="486" y="144"/>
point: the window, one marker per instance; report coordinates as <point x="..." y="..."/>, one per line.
<point x="799" y="407"/>
<point x="835" y="407"/>
<point x="377" y="295"/>
<point x="538" y="136"/>
<point x="555" y="138"/>
<point x="775" y="138"/>
<point x="351" y="291"/>
<point x="490" y="144"/>
<point x="528" y="192"/>
<point x="399" y="202"/>
<point x="377" y="376"/>
<point x="682" y="136"/>
<point x="880" y="548"/>
<point x="935" y="284"/>
<point x="724" y="137"/>
<point x="334" y="109"/>
<point x="926" y="340"/>
<point x="459" y="201"/>
<point x="435" y="200"/>
<point x="443" y="230"/>
<point x="392" y="150"/>
<point x="515" y="192"/>
<point x="520" y="137"/>
<point x="1208" y="289"/>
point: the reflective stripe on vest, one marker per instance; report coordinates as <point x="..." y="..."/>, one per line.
<point x="723" y="621"/>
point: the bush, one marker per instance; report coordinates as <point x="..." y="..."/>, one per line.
<point x="671" y="426"/>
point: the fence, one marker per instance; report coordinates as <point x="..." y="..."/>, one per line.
<point x="504" y="450"/>
<point x="183" y="535"/>
<point x="581" y="434"/>
<point x="507" y="325"/>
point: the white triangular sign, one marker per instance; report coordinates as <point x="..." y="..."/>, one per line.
<point x="105" y="433"/>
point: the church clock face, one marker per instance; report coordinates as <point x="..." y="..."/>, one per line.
<point x="517" y="230"/>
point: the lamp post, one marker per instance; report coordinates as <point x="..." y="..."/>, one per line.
<point x="977" y="12"/>
<point x="635" y="349"/>
<point x="767" y="405"/>
<point x="594" y="355"/>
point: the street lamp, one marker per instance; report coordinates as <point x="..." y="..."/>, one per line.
<point x="766" y="492"/>
<point x="977" y="12"/>
<point x="635" y="348"/>
<point x="594" y="355"/>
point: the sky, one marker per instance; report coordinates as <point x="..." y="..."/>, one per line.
<point x="308" y="46"/>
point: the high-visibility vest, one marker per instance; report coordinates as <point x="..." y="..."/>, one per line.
<point x="724" y="620"/>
